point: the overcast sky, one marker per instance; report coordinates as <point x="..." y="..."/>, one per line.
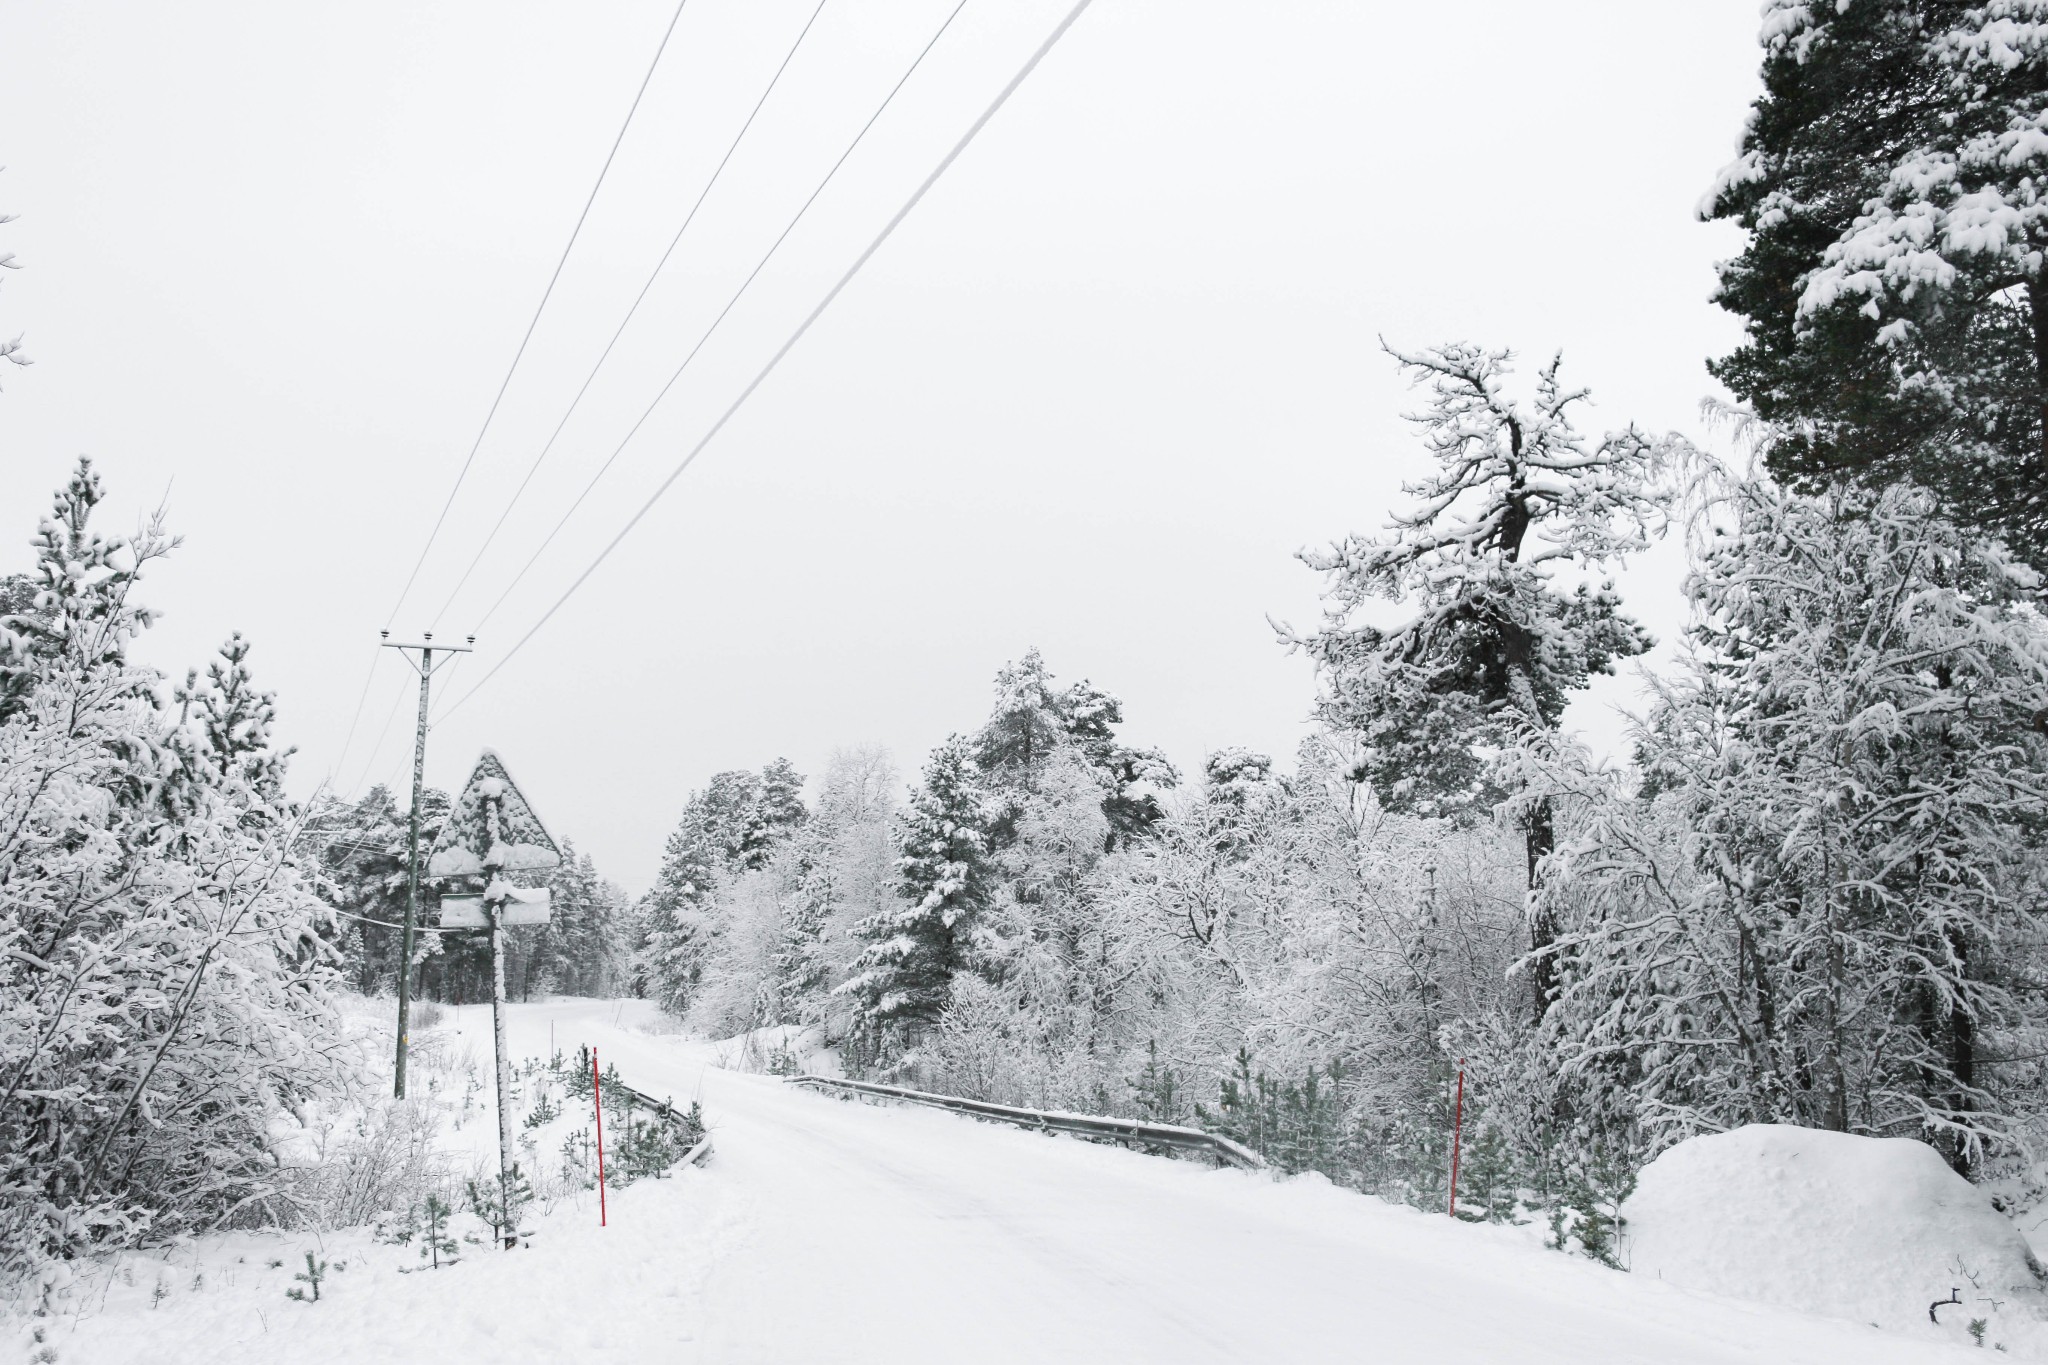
<point x="1093" y="395"/>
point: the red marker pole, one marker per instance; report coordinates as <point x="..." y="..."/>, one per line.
<point x="597" y="1101"/>
<point x="1457" y="1135"/>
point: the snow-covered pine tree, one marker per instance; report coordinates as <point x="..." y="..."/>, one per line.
<point x="901" y="982"/>
<point x="1892" y="287"/>
<point x="362" y="848"/>
<point x="842" y="872"/>
<point x="582" y="946"/>
<point x="1033" y="720"/>
<point x="777" y="812"/>
<point x="237" y="720"/>
<point x="733" y="826"/>
<point x="1519" y="503"/>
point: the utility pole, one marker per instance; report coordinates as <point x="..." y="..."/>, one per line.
<point x="425" y="668"/>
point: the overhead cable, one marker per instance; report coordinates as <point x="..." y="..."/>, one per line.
<point x="653" y="275"/>
<point x="356" y="719"/>
<point x="1000" y="100"/>
<point x="739" y="293"/>
<point x="534" y="322"/>
<point x="370" y="759"/>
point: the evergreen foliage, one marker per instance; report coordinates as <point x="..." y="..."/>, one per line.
<point x="1034" y="721"/>
<point x="1823" y="914"/>
<point x="904" y="976"/>
<point x="731" y="827"/>
<point x="1499" y="639"/>
<point x="164" y="1004"/>
<point x="1891" y="286"/>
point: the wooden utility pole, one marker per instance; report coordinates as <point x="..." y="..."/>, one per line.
<point x="425" y="668"/>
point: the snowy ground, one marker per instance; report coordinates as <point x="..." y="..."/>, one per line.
<point x="830" y="1231"/>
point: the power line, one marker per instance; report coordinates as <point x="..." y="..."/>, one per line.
<point x="730" y="303"/>
<point x="659" y="266"/>
<point x="355" y="719"/>
<point x="370" y="761"/>
<point x="1000" y="100"/>
<point x="506" y="383"/>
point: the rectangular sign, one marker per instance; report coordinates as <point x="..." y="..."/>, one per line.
<point x="467" y="911"/>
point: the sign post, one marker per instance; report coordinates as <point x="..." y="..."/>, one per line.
<point x="492" y="831"/>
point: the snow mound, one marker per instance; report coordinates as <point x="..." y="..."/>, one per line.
<point x="1874" y="1229"/>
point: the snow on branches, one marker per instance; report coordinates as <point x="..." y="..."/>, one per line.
<point x="1498" y="639"/>
<point x="162" y="984"/>
<point x="1819" y="910"/>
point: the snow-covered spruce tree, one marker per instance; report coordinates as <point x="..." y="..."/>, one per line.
<point x="732" y="826"/>
<point x="903" y="979"/>
<point x="777" y="812"/>
<point x="844" y="872"/>
<point x="1034" y="721"/>
<point x="1060" y="791"/>
<point x="362" y="850"/>
<point x="163" y="998"/>
<point x="580" y="950"/>
<point x="785" y="928"/>
<point x="1500" y="638"/>
<point x="1891" y="181"/>
<point x="1823" y="912"/>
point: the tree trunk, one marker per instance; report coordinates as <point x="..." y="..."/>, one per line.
<point x="2037" y="307"/>
<point x="1962" y="1056"/>
<point x="1539" y="839"/>
<point x="1834" y="1073"/>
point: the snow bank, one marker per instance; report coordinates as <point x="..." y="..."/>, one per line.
<point x="1874" y="1229"/>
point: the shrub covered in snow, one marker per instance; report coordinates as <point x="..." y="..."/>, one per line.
<point x="164" y="1002"/>
<point x="1874" y="1229"/>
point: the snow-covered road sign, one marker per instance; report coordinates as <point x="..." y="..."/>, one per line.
<point x="466" y="844"/>
<point x="523" y="906"/>
<point x="493" y="832"/>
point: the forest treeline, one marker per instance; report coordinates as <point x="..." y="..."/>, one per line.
<point x="1812" y="894"/>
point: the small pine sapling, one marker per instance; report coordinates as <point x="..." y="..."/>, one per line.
<point x="315" y="1271"/>
<point x="391" y="1230"/>
<point x="545" y="1110"/>
<point x="487" y="1202"/>
<point x="576" y="1084"/>
<point x="1156" y="1091"/>
<point x="1488" y="1189"/>
<point x="439" y="1242"/>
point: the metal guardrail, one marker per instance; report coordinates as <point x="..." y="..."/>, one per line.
<point x="666" y="1112"/>
<point x="1226" y="1152"/>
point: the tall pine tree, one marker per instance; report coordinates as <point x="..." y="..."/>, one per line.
<point x="1891" y="182"/>
<point x="1500" y="638"/>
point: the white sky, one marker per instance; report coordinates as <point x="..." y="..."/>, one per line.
<point x="1094" y="394"/>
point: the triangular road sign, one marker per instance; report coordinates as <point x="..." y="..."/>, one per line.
<point x="464" y="841"/>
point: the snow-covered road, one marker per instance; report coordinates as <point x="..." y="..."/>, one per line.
<point x="825" y="1232"/>
<point x="862" y="1233"/>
